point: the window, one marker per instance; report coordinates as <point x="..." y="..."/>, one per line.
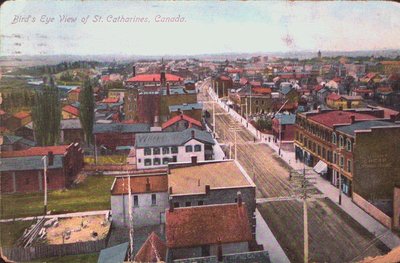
<point x="156" y="151"/>
<point x="188" y="204"/>
<point x="197" y="148"/>
<point x="334" y="158"/>
<point x="176" y="204"/>
<point x="174" y="149"/>
<point x="341" y="161"/>
<point x="135" y="201"/>
<point x="201" y="202"/>
<point x="341" y="141"/>
<point x="165" y="160"/>
<point x="349" y="166"/>
<point x="189" y="148"/>
<point x="174" y="159"/>
<point x="147" y="162"/>
<point x="334" y="138"/>
<point x="256" y="102"/>
<point x="319" y="150"/>
<point x="153" y="199"/>
<point x="147" y="151"/>
<point x="156" y="161"/>
<point x="139" y="160"/>
<point x="323" y="152"/>
<point x="348" y="145"/>
<point x="165" y="150"/>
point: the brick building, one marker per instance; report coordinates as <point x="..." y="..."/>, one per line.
<point x="283" y="126"/>
<point x="221" y="85"/>
<point x="22" y="171"/>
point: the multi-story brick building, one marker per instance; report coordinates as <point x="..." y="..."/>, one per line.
<point x="221" y="85"/>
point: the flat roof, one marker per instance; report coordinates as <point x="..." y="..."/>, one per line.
<point x="193" y="179"/>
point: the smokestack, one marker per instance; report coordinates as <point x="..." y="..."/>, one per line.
<point x="50" y="158"/>
<point x="207" y="189"/>
<point x="194" y="159"/>
<point x="148" y="185"/>
<point x="239" y="198"/>
<point x="162" y="78"/>
<point x="133" y="71"/>
<point x="192" y="132"/>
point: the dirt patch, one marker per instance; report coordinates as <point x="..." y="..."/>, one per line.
<point x="78" y="229"/>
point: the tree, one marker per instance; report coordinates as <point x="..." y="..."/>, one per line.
<point x="46" y="115"/>
<point x="86" y="110"/>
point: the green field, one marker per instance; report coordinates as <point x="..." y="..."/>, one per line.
<point x="91" y="194"/>
<point x="10" y="232"/>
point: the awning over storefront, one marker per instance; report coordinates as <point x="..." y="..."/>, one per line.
<point x="321" y="167"/>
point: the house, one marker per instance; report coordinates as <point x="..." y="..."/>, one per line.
<point x="155" y="79"/>
<point x="14" y="143"/>
<point x="112" y="135"/>
<point x="71" y="131"/>
<point x="157" y="149"/>
<point x="202" y="231"/>
<point x="22" y="171"/>
<point x="73" y="95"/>
<point x="336" y="101"/>
<point x="153" y="250"/>
<point x="363" y="92"/>
<point x="18" y="120"/>
<point x="69" y="112"/>
<point x="180" y="123"/>
<point x="210" y="183"/>
<point x="283" y="126"/>
<point x="193" y="110"/>
<point x="148" y="202"/>
<point x="287" y="92"/>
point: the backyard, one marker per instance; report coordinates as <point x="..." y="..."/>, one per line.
<point x="91" y="194"/>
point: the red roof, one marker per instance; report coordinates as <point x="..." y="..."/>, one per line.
<point x="222" y="77"/>
<point x="243" y="81"/>
<point x="158" y="183"/>
<point x="329" y="119"/>
<point x="255" y="83"/>
<point x="22" y="115"/>
<point x="181" y="117"/>
<point x="36" y="151"/>
<point x="231" y="70"/>
<point x="71" y="109"/>
<point x="384" y="89"/>
<point x="262" y="90"/>
<point x="110" y="100"/>
<point x="105" y="78"/>
<point x="154" y="77"/>
<point x="203" y="225"/>
<point x="77" y="90"/>
<point x="152" y="250"/>
<point x="387" y="112"/>
<point x="333" y="96"/>
<point x="318" y="87"/>
<point x="364" y="91"/>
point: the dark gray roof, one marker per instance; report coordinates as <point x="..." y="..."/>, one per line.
<point x="186" y="106"/>
<point x="10" y="139"/>
<point x="285" y="89"/>
<point x="286" y="119"/>
<point x="28" y="163"/>
<point x="158" y="139"/>
<point x="364" y="125"/>
<point x="115" y="254"/>
<point x="70" y="124"/>
<point x="121" y="127"/>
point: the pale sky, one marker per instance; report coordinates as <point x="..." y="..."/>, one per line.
<point x="209" y="27"/>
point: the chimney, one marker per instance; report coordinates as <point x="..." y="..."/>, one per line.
<point x="239" y="199"/>
<point x="192" y="132"/>
<point x="50" y="158"/>
<point x="148" y="185"/>
<point x="207" y="189"/>
<point x="168" y="90"/>
<point x="170" y="190"/>
<point x="171" y="205"/>
<point x="219" y="252"/>
<point x="352" y="119"/>
<point x="194" y="160"/>
<point x="133" y="71"/>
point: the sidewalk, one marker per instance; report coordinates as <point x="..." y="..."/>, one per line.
<point x="384" y="234"/>
<point x="87" y="213"/>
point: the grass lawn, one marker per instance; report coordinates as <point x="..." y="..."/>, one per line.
<point x="91" y="194"/>
<point x="84" y="258"/>
<point x="106" y="159"/>
<point x="10" y="232"/>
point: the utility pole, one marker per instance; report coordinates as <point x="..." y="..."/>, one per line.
<point x="280" y="126"/>
<point x="235" y="144"/>
<point x="340" y="175"/>
<point x="45" y="159"/>
<point x="130" y="220"/>
<point x="214" y="130"/>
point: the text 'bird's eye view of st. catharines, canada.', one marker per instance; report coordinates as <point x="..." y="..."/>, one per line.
<point x="199" y="131"/>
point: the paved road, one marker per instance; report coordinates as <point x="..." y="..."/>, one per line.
<point x="87" y="213"/>
<point x="334" y="236"/>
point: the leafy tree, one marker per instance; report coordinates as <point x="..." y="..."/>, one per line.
<point x="264" y="124"/>
<point x="46" y="115"/>
<point x="86" y="110"/>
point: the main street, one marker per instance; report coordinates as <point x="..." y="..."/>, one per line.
<point x="333" y="235"/>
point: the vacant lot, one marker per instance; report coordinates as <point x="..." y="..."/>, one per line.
<point x="90" y="195"/>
